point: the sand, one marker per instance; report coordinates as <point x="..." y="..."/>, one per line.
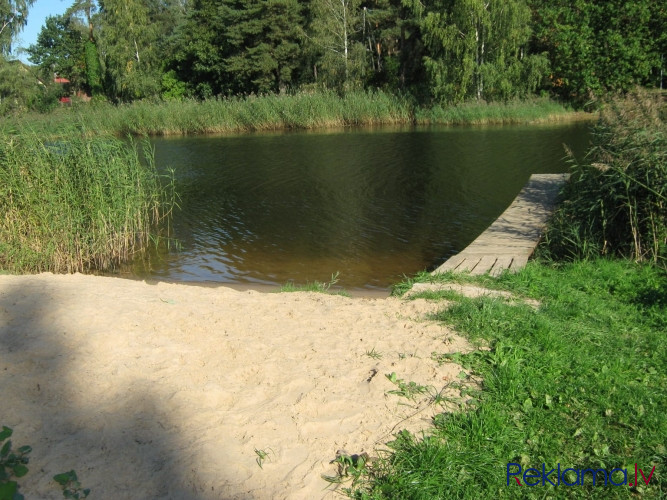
<point x="168" y="390"/>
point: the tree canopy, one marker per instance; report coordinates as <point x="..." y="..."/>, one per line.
<point x="446" y="51"/>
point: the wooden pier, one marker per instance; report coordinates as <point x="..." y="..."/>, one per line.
<point x="511" y="239"/>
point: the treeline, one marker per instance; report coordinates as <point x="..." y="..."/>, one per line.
<point x="442" y="51"/>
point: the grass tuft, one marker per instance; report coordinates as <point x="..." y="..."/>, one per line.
<point x="316" y="286"/>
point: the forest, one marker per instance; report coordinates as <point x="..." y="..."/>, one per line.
<point x="432" y="51"/>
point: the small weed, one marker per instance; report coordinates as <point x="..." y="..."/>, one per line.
<point x="349" y="467"/>
<point x="407" y="390"/>
<point x="71" y="486"/>
<point x="15" y="465"/>
<point x="262" y="455"/>
<point x="374" y="354"/>
<point x="316" y="286"/>
<point x="11" y="465"/>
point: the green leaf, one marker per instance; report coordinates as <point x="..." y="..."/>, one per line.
<point x="24" y="450"/>
<point x="20" y="470"/>
<point x="5" y="449"/>
<point x="5" y="433"/>
<point x="64" y="478"/>
<point x="8" y="490"/>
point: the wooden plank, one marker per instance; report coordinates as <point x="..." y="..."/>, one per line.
<point x="512" y="238"/>
<point x="450" y="264"/>
<point x="502" y="262"/>
<point x="518" y="262"/>
<point x="485" y="265"/>
<point x="469" y="263"/>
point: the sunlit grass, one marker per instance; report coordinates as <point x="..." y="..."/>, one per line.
<point x="301" y="111"/>
<point x="579" y="381"/>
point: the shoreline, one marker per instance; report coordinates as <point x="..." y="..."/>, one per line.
<point x="274" y="113"/>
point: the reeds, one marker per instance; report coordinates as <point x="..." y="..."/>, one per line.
<point x="494" y="113"/>
<point x="78" y="204"/>
<point x="616" y="202"/>
<point x="301" y="111"/>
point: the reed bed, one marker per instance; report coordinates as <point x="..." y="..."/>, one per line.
<point x="483" y="113"/>
<point x="616" y="202"/>
<point x="77" y="205"/>
<point x="301" y="111"/>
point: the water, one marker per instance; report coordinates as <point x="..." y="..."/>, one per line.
<point x="373" y="205"/>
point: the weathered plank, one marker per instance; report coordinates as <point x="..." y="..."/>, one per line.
<point x="512" y="238"/>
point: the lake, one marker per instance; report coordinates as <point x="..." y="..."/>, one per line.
<point x="370" y="204"/>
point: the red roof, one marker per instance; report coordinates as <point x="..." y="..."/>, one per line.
<point x="61" y="80"/>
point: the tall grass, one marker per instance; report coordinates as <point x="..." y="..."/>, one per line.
<point x="77" y="205"/>
<point x="483" y="113"/>
<point x="616" y="202"/>
<point x="274" y="112"/>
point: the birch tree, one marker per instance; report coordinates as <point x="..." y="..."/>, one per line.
<point x="13" y="17"/>
<point x="335" y="30"/>
<point x="477" y="48"/>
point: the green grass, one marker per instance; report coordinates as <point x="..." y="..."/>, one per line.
<point x="77" y="204"/>
<point x="316" y="286"/>
<point x="302" y="111"/>
<point x="483" y="113"/>
<point x="581" y="381"/>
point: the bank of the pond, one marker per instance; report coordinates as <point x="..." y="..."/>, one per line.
<point x="572" y="377"/>
<point x="303" y="111"/>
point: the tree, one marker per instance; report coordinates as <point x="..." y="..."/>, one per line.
<point x="86" y="8"/>
<point x="239" y="46"/>
<point x="334" y="30"/>
<point x="60" y="49"/>
<point x="196" y="55"/>
<point x="261" y="44"/>
<point x="13" y="17"/>
<point x="21" y="90"/>
<point x="595" y="47"/>
<point x="477" y="48"/>
<point x="129" y="42"/>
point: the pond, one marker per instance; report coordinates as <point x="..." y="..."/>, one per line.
<point x="371" y="205"/>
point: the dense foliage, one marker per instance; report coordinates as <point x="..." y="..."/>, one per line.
<point x="443" y="51"/>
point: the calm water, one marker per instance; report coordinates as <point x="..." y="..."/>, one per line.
<point x="371" y="205"/>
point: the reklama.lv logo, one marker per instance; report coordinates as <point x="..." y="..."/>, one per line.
<point x="535" y="477"/>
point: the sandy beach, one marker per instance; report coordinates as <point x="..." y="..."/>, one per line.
<point x="170" y="391"/>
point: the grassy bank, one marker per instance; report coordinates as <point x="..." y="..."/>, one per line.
<point x="579" y="381"/>
<point x="76" y="205"/>
<point x="302" y="111"/>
